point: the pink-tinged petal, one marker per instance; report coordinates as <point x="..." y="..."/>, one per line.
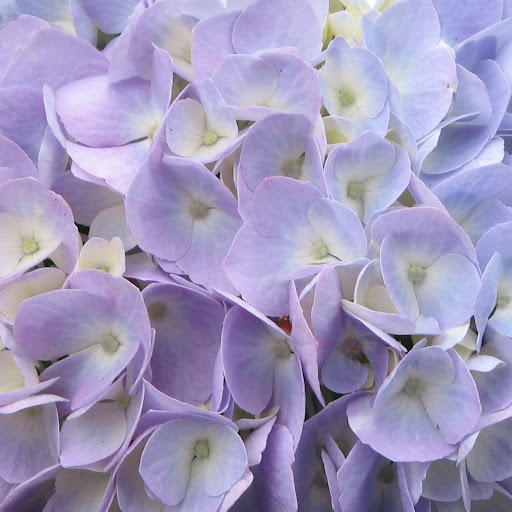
<point x="94" y="435"/>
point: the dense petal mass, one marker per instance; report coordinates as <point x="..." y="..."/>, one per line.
<point x="429" y="402"/>
<point x="100" y="324"/>
<point x="293" y="233"/>
<point x="197" y="217"/>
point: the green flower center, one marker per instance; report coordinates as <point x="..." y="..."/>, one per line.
<point x="29" y="246"/>
<point x="187" y="54"/>
<point x="198" y="210"/>
<point x="201" y="450"/>
<point x="122" y="400"/>
<point x="413" y="387"/>
<point x="416" y="273"/>
<point x="502" y="300"/>
<point x="282" y="349"/>
<point x="320" y="251"/>
<point x="210" y="138"/>
<point x="347" y="97"/>
<point x="33" y="411"/>
<point x="293" y="168"/>
<point x="109" y="344"/>
<point x="355" y="189"/>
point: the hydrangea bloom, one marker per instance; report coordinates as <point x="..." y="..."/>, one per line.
<point x="254" y="255"/>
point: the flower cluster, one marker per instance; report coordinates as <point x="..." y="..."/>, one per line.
<point x="255" y="255"/>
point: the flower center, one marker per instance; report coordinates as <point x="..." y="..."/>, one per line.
<point x="109" y="344"/>
<point x="320" y="251"/>
<point x="122" y="400"/>
<point x="210" y="138"/>
<point x="282" y="350"/>
<point x="413" y="387"/>
<point x="198" y="210"/>
<point x="347" y="97"/>
<point x="355" y="189"/>
<point x="293" y="168"/>
<point x="33" y="411"/>
<point x="352" y="349"/>
<point x="416" y="273"/>
<point x="201" y="450"/>
<point x="502" y="300"/>
<point x="29" y="246"/>
<point x="187" y="54"/>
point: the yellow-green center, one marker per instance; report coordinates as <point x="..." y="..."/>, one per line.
<point x="109" y="344"/>
<point x="187" y="54"/>
<point x="201" y="450"/>
<point x="198" y="210"/>
<point x="122" y="400"/>
<point x="33" y="411"/>
<point x="210" y="138"/>
<point x="282" y="349"/>
<point x="29" y="246"/>
<point x="413" y="387"/>
<point x="293" y="168"/>
<point x="416" y="273"/>
<point x="355" y="189"/>
<point x="347" y="97"/>
<point x="503" y="300"/>
<point x="320" y="251"/>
